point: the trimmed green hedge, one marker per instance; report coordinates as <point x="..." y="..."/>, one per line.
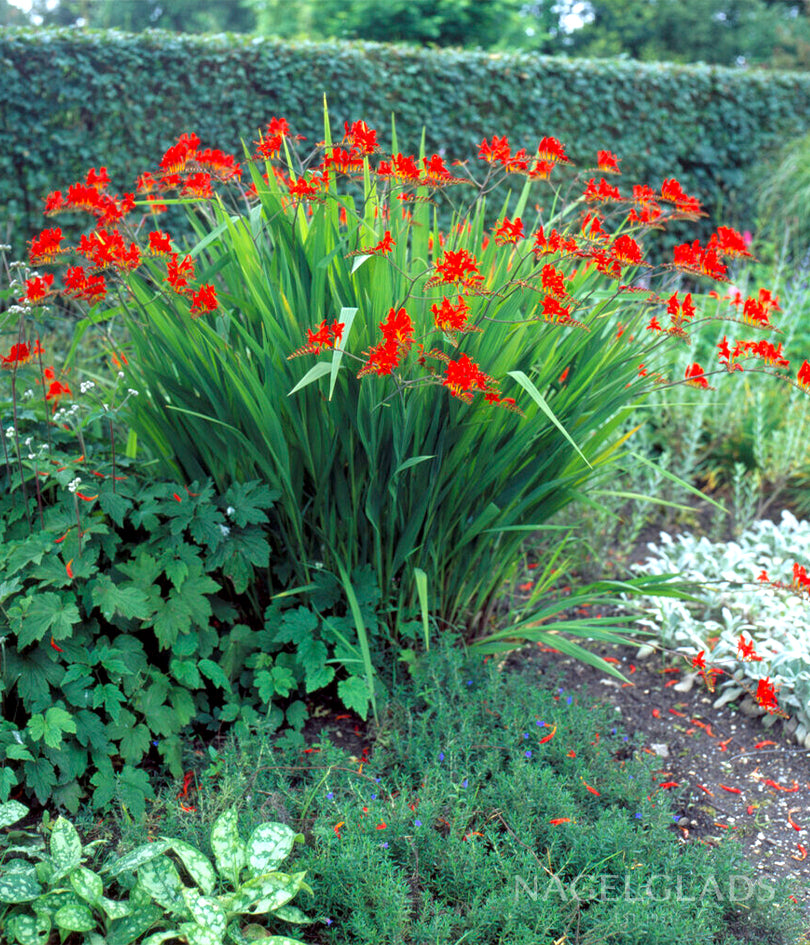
<point x="71" y="100"/>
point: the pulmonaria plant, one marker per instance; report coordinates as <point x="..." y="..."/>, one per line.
<point x="448" y="330"/>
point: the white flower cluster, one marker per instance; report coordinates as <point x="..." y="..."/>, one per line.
<point x="734" y="602"/>
<point x="74" y="484"/>
<point x="86" y="386"/>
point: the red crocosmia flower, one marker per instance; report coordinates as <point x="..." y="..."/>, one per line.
<point x="800" y="579"/>
<point x="54" y="202"/>
<point x="766" y="694"/>
<point x="554" y="243"/>
<point x="45" y="247"/>
<point x="463" y="376"/>
<point x="18" y="354"/>
<point x="457" y="266"/>
<point x="553" y="281"/>
<point x="509" y="231"/>
<point x="602" y="193"/>
<point x="159" y="243"/>
<point x="607" y="162"/>
<point x="82" y="197"/>
<point x="686" y="207"/>
<point x="204" y="300"/>
<point x="695" y="376"/>
<point x="197" y="185"/>
<point x="405" y="168"/>
<point x="550" y="149"/>
<point x="179" y="272"/>
<point x="386" y="244"/>
<point x="382" y="359"/>
<point x="498" y="151"/>
<point x="626" y="251"/>
<point x="452" y="318"/>
<point x="99" y="179"/>
<point x="698" y="661"/>
<point x="541" y="170"/>
<point x="38" y="288"/>
<point x="178" y="155"/>
<point x="56" y="391"/>
<point x="729" y="242"/>
<point x="398" y="328"/>
<point x="327" y="336"/>
<point x="119" y="359"/>
<point x="222" y="165"/>
<point x="654" y="325"/>
<point x="694" y="259"/>
<point x="745" y="651"/>
<point x="436" y="172"/>
<point x="553" y="311"/>
<point x="361" y="137"/>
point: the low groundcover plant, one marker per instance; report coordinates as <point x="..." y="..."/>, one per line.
<point x="752" y="590"/>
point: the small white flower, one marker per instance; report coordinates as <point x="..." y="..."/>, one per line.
<point x="120" y="375"/>
<point x="9" y="433"/>
<point x="85" y="386"/>
<point x="229" y="511"/>
<point x="27" y="395"/>
<point x="132" y="392"/>
<point x="74" y="485"/>
<point x="225" y="530"/>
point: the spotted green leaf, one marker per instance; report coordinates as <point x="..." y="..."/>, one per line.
<point x="199" y="934"/>
<point x="292" y="914"/>
<point x="197" y="864"/>
<point x="87" y="885"/>
<point x="28" y="929"/>
<point x="268" y="845"/>
<point x="161" y="880"/>
<point x="74" y="917"/>
<point x="19" y="887"/>
<point x="137" y="857"/>
<point x="205" y="911"/>
<point x="265" y="893"/>
<point x="281" y="940"/>
<point x="127" y="930"/>
<point x="11" y="812"/>
<point x="66" y="847"/>
<point x="228" y="847"/>
<point x="114" y="908"/>
<point x="159" y="937"/>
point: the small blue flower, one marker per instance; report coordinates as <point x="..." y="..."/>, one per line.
<point x="441" y="756"/>
<point x="464" y="783"/>
<point x="541" y="723"/>
<point x="469" y="682"/>
<point x="569" y="700"/>
<point x="638" y="816"/>
<point x="417" y="823"/>
<point x="625" y="738"/>
<point x="374" y="797"/>
<point x="525" y="734"/>
<point x="528" y="754"/>
<point x="378" y="780"/>
<point x="330" y="795"/>
<point x="384" y="845"/>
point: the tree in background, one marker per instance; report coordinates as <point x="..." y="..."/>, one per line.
<point x="773" y="33"/>
<point x="723" y="32"/>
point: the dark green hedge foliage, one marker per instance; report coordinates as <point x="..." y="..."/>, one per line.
<point x="72" y="100"/>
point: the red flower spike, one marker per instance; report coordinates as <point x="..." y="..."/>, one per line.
<point x="204" y="300"/>
<point x="589" y="788"/>
<point x="745" y="651"/>
<point x="560" y="820"/>
<point x="509" y="231"/>
<point x="45" y="247"/>
<point x="695" y="377"/>
<point x="731" y="790"/>
<point x="607" y="162"/>
<point x="766" y="695"/>
<point x="57" y="648"/>
<point x="69" y="569"/>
